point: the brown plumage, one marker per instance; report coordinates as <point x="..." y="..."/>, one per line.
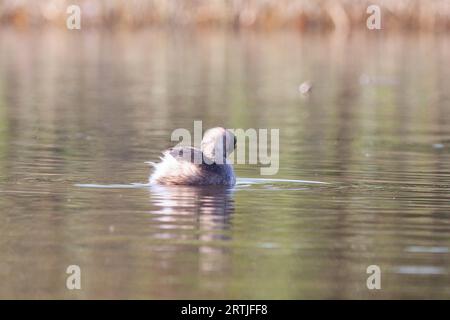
<point x="192" y="166"/>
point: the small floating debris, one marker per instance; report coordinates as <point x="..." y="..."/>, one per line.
<point x="305" y="88"/>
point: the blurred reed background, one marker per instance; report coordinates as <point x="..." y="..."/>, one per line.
<point x="304" y="15"/>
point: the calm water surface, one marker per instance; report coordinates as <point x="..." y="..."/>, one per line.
<point x="92" y="107"/>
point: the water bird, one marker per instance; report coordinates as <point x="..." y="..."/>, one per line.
<point x="183" y="165"/>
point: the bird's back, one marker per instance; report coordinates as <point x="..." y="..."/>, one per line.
<point x="188" y="166"/>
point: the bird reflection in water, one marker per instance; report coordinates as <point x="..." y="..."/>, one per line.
<point x="197" y="215"/>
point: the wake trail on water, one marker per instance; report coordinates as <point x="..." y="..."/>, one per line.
<point x="239" y="182"/>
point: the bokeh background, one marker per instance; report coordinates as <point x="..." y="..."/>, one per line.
<point x="302" y="15"/>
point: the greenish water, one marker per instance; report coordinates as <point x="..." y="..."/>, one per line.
<point x="91" y="108"/>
